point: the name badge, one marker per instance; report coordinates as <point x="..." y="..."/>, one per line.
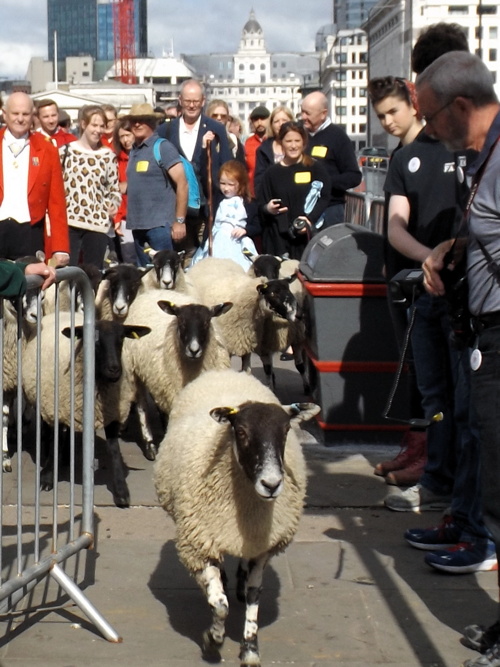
<point x="142" y="165"/>
<point x="319" y="151"/>
<point x="303" y="177"/>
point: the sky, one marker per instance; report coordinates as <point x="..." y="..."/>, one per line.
<point x="193" y="26"/>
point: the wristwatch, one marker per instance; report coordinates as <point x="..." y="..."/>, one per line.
<point x="181" y="221"/>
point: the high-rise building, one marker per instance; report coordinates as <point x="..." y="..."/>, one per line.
<point x="86" y="28"/>
<point x="350" y="14"/>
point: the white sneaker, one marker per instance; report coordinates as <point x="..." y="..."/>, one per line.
<point x="415" y="499"/>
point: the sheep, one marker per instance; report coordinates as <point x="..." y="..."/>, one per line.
<point x="114" y="387"/>
<point x="182" y="344"/>
<point x="253" y="300"/>
<point x="264" y="265"/>
<point x="168" y="272"/>
<point x="120" y="286"/>
<point x="231" y="473"/>
<point x="278" y="334"/>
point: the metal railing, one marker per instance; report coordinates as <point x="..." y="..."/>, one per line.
<point x="33" y="548"/>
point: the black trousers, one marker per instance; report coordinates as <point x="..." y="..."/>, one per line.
<point x="19" y="240"/>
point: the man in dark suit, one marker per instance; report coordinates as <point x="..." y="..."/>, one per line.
<point x="32" y="199"/>
<point x="194" y="134"/>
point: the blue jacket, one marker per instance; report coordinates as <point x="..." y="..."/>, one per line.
<point x="219" y="150"/>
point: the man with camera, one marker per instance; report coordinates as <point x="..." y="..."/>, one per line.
<point x="456" y="95"/>
<point x="428" y="189"/>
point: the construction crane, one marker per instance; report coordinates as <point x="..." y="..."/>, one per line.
<point x="124" y="40"/>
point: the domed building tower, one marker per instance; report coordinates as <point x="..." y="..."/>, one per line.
<point x="252" y="62"/>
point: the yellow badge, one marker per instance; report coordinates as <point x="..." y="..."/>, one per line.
<point x="142" y="165"/>
<point x="303" y="177"/>
<point x="319" y="151"/>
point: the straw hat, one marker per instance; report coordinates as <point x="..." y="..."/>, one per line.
<point x="143" y="110"/>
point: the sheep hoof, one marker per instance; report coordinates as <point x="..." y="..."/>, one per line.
<point x="211" y="648"/>
<point x="150" y="451"/>
<point x="249" y="656"/>
<point x="46" y="480"/>
<point x="6" y="465"/>
<point x="122" y="500"/>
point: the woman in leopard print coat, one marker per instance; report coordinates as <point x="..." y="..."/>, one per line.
<point x="92" y="191"/>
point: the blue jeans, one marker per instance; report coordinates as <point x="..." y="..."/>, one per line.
<point x="443" y="379"/>
<point x="158" y="238"/>
<point x="333" y="215"/>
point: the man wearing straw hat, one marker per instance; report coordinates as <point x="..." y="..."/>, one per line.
<point x="157" y="189"/>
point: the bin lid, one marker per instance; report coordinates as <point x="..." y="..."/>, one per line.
<point x="344" y="253"/>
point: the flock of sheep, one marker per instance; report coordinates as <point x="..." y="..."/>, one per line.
<point x="230" y="469"/>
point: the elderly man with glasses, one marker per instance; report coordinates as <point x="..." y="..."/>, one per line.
<point x="195" y="135"/>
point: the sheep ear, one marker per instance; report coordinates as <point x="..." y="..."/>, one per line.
<point x="248" y="253"/>
<point x="262" y="288"/>
<point x="133" y="331"/>
<point x="223" y="415"/>
<point x="221" y="308"/>
<point x="145" y="269"/>
<point x="149" y="250"/>
<point x="280" y="259"/>
<point x="168" y="307"/>
<point x="106" y="273"/>
<point x="291" y="278"/>
<point x="300" y="412"/>
<point x="78" y="332"/>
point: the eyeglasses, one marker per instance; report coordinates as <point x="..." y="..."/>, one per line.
<point x="429" y="118"/>
<point x="191" y="103"/>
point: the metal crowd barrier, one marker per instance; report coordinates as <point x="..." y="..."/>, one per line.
<point x="36" y="542"/>
<point x="366" y="210"/>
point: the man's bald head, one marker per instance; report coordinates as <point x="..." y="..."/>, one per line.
<point x="18" y="114"/>
<point x="314" y="111"/>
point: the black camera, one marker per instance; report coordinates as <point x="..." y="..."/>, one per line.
<point x="296" y="227"/>
<point x="406" y="286"/>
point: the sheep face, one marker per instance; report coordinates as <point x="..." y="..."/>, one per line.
<point x="167" y="264"/>
<point x="268" y="266"/>
<point x="109" y="337"/>
<point x="193" y="325"/>
<point x="124" y="282"/>
<point x="278" y="298"/>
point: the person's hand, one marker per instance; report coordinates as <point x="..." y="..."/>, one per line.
<point x="48" y="273"/>
<point x="432" y="267"/>
<point x="238" y="232"/>
<point x="118" y="228"/>
<point x="208" y="136"/>
<point x="308" y="224"/>
<point x="178" y="231"/>
<point x="112" y="210"/>
<point x="60" y="259"/>
<point x="274" y="207"/>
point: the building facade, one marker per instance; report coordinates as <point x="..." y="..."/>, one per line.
<point x="344" y="82"/>
<point x="394" y="26"/>
<point x="86" y="28"/>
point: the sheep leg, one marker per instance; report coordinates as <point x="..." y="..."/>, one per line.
<point x="241" y="580"/>
<point x="146" y="432"/>
<point x="119" y="487"/>
<point x="299" y="360"/>
<point x="6" y="462"/>
<point x="267" y="364"/>
<point x="245" y="363"/>
<point x="249" y="650"/>
<point x="210" y="581"/>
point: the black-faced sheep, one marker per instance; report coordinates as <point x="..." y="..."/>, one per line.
<point x="168" y="272"/>
<point x="114" y="386"/>
<point x="120" y="285"/>
<point x="183" y="343"/>
<point x="231" y="473"/>
<point x="253" y="300"/>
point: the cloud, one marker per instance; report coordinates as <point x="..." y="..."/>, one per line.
<point x="195" y="26"/>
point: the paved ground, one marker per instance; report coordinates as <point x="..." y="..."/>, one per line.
<point x="347" y="592"/>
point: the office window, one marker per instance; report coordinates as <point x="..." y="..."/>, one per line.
<point x="493" y="32"/>
<point x="457" y="9"/>
<point x="492" y="55"/>
<point x="341" y="110"/>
